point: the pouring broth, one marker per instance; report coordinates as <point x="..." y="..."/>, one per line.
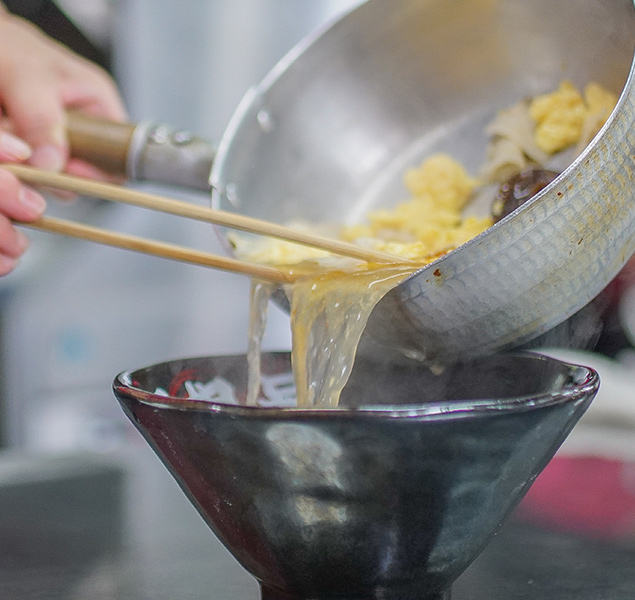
<point x="329" y="311"/>
<point x="332" y="299"/>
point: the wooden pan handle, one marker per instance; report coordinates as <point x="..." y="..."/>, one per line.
<point x="100" y="142"/>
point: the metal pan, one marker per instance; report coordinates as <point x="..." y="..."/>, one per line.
<point x="329" y="132"/>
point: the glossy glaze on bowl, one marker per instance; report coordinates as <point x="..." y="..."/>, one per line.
<point x="390" y="496"/>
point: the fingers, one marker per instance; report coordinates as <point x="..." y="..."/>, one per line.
<point x="29" y="94"/>
<point x="13" y="244"/>
<point x="21" y="203"/>
<point x="31" y="102"/>
<point x="41" y="125"/>
<point x="13" y="148"/>
<point x="89" y="88"/>
<point x="41" y="82"/>
<point x="18" y="201"/>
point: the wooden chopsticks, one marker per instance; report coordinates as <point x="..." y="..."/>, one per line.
<point x="162" y="249"/>
<point x="118" y="193"/>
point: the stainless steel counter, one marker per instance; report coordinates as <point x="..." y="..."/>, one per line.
<point x="118" y="528"/>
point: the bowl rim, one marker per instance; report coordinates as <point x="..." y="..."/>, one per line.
<point x="584" y="384"/>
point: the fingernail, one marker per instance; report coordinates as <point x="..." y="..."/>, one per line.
<point x="14" y="147"/>
<point x="32" y="200"/>
<point x="48" y="157"/>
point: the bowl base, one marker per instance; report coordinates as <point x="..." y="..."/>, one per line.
<point x="383" y="594"/>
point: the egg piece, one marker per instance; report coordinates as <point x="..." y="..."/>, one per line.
<point x="443" y="179"/>
<point x="559" y="117"/>
<point x="431" y="220"/>
<point x="566" y="117"/>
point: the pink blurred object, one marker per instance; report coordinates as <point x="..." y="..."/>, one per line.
<point x="584" y="494"/>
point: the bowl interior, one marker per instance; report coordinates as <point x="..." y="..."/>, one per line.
<point x="512" y="380"/>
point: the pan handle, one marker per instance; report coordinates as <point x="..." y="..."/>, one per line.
<point x="142" y="152"/>
<point x="103" y="143"/>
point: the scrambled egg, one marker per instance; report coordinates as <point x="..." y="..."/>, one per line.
<point x="427" y="224"/>
<point x="563" y="116"/>
<point x="430" y="222"/>
<point x="272" y="251"/>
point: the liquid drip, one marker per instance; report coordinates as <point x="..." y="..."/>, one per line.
<point x="329" y="311"/>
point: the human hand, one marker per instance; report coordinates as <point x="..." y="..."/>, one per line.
<point x="40" y="80"/>
<point x="17" y="201"/>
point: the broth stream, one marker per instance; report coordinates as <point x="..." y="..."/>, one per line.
<point x="329" y="311"/>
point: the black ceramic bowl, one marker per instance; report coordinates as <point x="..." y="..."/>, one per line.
<point x="391" y="496"/>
